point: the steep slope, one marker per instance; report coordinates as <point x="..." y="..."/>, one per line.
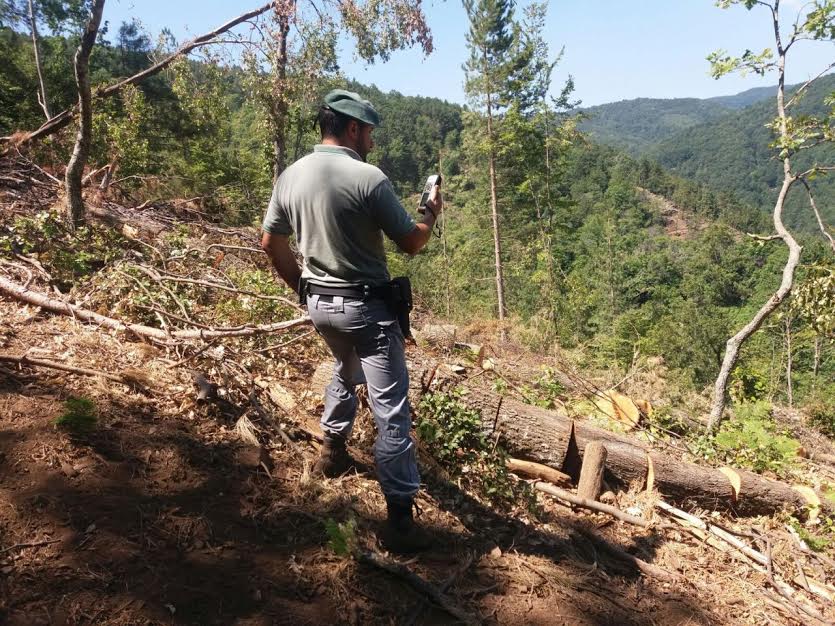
<point x="732" y="153"/>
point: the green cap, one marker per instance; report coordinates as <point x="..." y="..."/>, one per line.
<point x="351" y="104"/>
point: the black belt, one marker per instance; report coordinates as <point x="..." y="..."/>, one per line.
<point x="360" y="292"/>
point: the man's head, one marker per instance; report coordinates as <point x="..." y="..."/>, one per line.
<point x="347" y="120"/>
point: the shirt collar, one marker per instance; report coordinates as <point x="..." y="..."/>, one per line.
<point x="329" y="149"/>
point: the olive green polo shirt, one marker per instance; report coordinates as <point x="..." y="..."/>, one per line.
<point x="338" y="207"/>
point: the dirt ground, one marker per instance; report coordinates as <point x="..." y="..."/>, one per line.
<point x="161" y="516"/>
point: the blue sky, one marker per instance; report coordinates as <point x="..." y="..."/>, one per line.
<point x="615" y="49"/>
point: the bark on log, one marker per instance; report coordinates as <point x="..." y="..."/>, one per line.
<point x="591" y="473"/>
<point x="554" y="439"/>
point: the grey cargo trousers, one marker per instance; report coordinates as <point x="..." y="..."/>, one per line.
<point x="368" y="346"/>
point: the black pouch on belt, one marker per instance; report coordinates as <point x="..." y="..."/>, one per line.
<point x="302" y="291"/>
<point x="400" y="302"/>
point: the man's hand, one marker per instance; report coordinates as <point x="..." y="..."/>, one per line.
<point x="284" y="261"/>
<point x="435" y="202"/>
<point x="412" y="242"/>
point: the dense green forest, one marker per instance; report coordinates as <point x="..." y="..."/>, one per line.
<point x="722" y="142"/>
<point x="733" y="153"/>
<point x="604" y="252"/>
<point x="635" y="126"/>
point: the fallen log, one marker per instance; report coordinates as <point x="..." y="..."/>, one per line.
<point x="23" y="294"/>
<point x="554" y="439"/>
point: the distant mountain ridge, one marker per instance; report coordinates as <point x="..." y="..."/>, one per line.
<point x="635" y="125"/>
<point x="721" y="142"/>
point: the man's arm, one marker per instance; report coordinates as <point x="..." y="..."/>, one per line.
<point x="284" y="261"/>
<point x="413" y="241"/>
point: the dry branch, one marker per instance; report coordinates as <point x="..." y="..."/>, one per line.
<point x="591" y="505"/>
<point x="18" y="292"/>
<point x="415" y="613"/>
<point x="135" y="378"/>
<point x="63" y="118"/>
<point x="537" y="470"/>
<point x="727" y="537"/>
<point x="172" y="278"/>
<point x="416" y="582"/>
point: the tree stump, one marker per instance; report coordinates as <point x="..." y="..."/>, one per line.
<point x="591" y="473"/>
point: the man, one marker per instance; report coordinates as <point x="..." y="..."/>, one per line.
<point x="338" y="206"/>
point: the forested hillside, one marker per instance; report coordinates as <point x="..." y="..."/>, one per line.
<point x="636" y="125"/>
<point x="733" y="153"/>
<point x="722" y="142"/>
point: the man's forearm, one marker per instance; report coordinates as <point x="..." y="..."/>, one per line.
<point x="290" y="274"/>
<point x="282" y="258"/>
<point x="415" y="240"/>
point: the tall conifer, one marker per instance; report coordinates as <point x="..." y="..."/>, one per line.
<point x="489" y="70"/>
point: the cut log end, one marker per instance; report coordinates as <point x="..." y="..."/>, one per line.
<point x="591" y="472"/>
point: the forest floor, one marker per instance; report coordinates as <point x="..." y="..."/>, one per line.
<point x="162" y="514"/>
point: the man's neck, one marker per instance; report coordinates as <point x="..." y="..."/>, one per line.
<point x="335" y="141"/>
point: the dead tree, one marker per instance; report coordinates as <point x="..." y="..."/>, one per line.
<point x="75" y="168"/>
<point x="789" y="145"/>
<point x="43" y="100"/>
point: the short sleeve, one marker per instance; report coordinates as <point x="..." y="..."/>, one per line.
<point x="276" y="221"/>
<point x="388" y="213"/>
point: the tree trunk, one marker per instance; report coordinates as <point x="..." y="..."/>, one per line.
<point x="59" y="121"/>
<point x="279" y="106"/>
<point x="591" y="473"/>
<point x="43" y="100"/>
<point x="75" y="169"/>
<point x="494" y="210"/>
<point x="554" y="439"/>
<point x="789" y="361"/>
<point x="735" y="343"/>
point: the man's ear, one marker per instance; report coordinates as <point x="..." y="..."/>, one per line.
<point x="353" y="129"/>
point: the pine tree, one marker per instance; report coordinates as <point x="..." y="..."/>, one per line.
<point x="489" y="71"/>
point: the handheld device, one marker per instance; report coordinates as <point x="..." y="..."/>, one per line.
<point x="434" y="179"/>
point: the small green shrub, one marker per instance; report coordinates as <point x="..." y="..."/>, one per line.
<point x="79" y="415"/>
<point x="821" y="415"/>
<point x="663" y="423"/>
<point x="747" y="384"/>
<point x="342" y="537"/>
<point x="66" y="255"/>
<point x="817" y="542"/>
<point x="545" y="391"/>
<point x="454" y="435"/>
<point x="751" y="439"/>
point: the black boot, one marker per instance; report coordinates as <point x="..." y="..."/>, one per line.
<point x="401" y="534"/>
<point x="334" y="460"/>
